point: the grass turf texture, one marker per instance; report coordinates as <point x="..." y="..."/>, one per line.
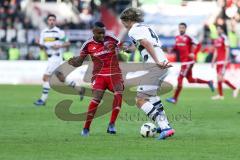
<point x="205" y="129"/>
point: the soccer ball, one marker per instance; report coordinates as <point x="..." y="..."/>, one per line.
<point x="148" y="130"/>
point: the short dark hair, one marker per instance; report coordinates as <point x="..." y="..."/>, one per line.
<point x="183" y="24"/>
<point x="51" y="15"/>
<point x="98" y="25"/>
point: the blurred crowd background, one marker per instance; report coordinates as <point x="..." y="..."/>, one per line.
<point x="22" y="20"/>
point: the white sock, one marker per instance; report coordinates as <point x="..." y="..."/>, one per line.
<point x="156" y="114"/>
<point x="70" y="83"/>
<point x="46" y="88"/>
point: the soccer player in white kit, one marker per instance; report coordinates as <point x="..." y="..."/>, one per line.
<point x="52" y="40"/>
<point x="149" y="45"/>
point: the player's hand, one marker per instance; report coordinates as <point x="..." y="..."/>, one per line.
<point x="164" y="65"/>
<point x="56" y="47"/>
<point x="191" y="55"/>
<point x="73" y="62"/>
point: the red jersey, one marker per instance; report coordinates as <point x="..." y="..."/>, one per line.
<point x="183" y="45"/>
<point x="103" y="55"/>
<point x="220" y="45"/>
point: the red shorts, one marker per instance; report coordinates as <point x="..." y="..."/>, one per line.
<point x="111" y="82"/>
<point x="186" y="70"/>
<point x="221" y="68"/>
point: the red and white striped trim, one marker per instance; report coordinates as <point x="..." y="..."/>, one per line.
<point x="186" y="63"/>
<point x="220" y="62"/>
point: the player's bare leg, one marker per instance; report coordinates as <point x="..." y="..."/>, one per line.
<point x="92" y="108"/>
<point x="45" y="91"/>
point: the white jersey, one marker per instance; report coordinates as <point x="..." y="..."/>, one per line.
<point x="142" y="31"/>
<point x="51" y="37"/>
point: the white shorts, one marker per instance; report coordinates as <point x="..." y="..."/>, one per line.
<point x="53" y="64"/>
<point x="150" y="85"/>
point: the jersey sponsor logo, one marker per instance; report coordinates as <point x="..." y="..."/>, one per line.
<point x="101" y="53"/>
<point x="50" y="39"/>
<point x="181" y="44"/>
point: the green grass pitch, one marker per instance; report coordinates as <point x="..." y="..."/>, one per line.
<point x="205" y="129"/>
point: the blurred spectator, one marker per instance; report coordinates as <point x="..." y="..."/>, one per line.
<point x="27" y="23"/>
<point x="202" y="56"/>
<point x="13" y="53"/>
<point x="30" y="56"/>
<point x="236" y="55"/>
<point x="11" y="15"/>
<point x="3" y="55"/>
<point x="42" y="55"/>
<point x="86" y="17"/>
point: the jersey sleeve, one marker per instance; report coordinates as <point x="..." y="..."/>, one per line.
<point x="83" y="50"/>
<point x="63" y="36"/>
<point x="114" y="38"/>
<point x="136" y="34"/>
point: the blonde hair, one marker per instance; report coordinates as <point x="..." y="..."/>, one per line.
<point x="132" y="14"/>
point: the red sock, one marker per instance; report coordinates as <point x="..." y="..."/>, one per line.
<point x="117" y="103"/>
<point x="197" y="80"/>
<point x="177" y="92"/>
<point x="229" y="84"/>
<point x="220" y="88"/>
<point x="92" y="108"/>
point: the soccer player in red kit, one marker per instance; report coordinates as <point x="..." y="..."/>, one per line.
<point x="187" y="49"/>
<point x="220" y="57"/>
<point x="102" y="49"/>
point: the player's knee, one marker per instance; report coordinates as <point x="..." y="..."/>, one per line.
<point x="140" y="102"/>
<point x="190" y="80"/>
<point x="220" y="77"/>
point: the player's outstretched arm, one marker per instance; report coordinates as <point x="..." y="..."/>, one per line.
<point x="76" y="61"/>
<point x="149" y="47"/>
<point x="64" y="45"/>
